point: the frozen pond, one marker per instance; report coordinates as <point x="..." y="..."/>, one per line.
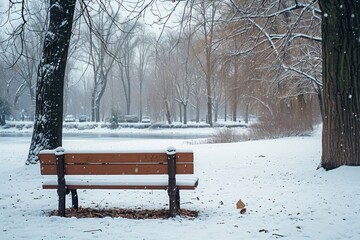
<point x="118" y="136"/>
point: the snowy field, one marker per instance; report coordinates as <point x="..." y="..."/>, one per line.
<point x="286" y="197"/>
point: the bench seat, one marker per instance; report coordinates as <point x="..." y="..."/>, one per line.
<point x="183" y="182"/>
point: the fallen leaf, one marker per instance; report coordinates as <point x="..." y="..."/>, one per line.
<point x="240" y="205"/>
<point x="124" y="213"/>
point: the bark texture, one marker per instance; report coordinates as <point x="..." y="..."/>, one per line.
<point x="47" y="132"/>
<point x="341" y="79"/>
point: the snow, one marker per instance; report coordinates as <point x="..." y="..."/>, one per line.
<point x="285" y="195"/>
<point x="123" y="180"/>
<point x="93" y="150"/>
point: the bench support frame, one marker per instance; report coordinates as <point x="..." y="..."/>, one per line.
<point x="173" y="191"/>
<point x="62" y="191"/>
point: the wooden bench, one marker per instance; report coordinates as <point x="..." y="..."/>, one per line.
<point x="170" y="170"/>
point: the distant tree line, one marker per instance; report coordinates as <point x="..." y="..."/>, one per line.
<point x="283" y="61"/>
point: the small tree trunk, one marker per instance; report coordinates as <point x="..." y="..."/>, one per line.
<point x="185" y="114"/>
<point x="168" y="114"/>
<point x="197" y="110"/>
<point x="234" y="92"/>
<point x="180" y="112"/>
<point x="247" y="112"/>
<point x="209" y="103"/>
<point x="97" y="110"/>
<point x="93" y="106"/>
<point x="2" y="120"/>
<point x="141" y="101"/>
<point x="216" y="112"/>
<point x="128" y="105"/>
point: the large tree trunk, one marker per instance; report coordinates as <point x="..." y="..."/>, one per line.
<point x="341" y="79"/>
<point x="47" y="132"/>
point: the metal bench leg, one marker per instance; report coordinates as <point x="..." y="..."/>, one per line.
<point x="172" y="189"/>
<point x="62" y="197"/>
<point x="172" y="203"/>
<point x="62" y="191"/>
<point x="178" y="199"/>
<point x="74" y="198"/>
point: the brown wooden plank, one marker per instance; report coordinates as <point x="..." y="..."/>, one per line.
<point x="48" y="169"/>
<point x="114" y="169"/>
<point x="47" y="158"/>
<point x="71" y="187"/>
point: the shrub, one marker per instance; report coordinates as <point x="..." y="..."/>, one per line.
<point x="114" y="122"/>
<point x="225" y="135"/>
<point x="278" y="127"/>
<point x="275" y="127"/>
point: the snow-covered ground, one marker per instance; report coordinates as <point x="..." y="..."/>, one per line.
<point x="286" y="197"/>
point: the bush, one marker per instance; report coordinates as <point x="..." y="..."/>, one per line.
<point x="225" y="135"/>
<point x="278" y="127"/>
<point x="114" y="122"/>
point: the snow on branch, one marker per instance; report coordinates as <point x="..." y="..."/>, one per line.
<point x="295" y="35"/>
<point x="312" y="78"/>
<point x="282" y="64"/>
<point x="294" y="7"/>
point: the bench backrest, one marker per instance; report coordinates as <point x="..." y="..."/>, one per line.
<point x="82" y="163"/>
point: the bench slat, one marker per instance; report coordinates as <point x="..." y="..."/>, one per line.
<point x="49" y="158"/>
<point x="122" y="182"/>
<point x="114" y="169"/>
<point x="74" y="187"/>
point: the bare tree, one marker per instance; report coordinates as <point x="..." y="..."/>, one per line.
<point x="23" y="54"/>
<point x="102" y="50"/>
<point x="166" y="74"/>
<point x="286" y="36"/>
<point x="207" y="14"/>
<point x="145" y="52"/>
<point x="129" y="41"/>
<point x="47" y="132"/>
